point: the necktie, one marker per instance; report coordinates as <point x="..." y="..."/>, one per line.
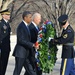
<point x="37" y="28"/>
<point x="28" y="29"/>
<point x="28" y="32"/>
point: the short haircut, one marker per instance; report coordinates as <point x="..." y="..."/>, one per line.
<point x="25" y="13"/>
<point x="35" y="16"/>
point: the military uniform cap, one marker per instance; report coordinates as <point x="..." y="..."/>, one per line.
<point x="6" y="11"/>
<point x="62" y="19"/>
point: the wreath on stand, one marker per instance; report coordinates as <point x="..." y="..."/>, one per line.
<point x="46" y="55"/>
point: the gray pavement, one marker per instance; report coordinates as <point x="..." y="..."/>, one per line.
<point x="11" y="63"/>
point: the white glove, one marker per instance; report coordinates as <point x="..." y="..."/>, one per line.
<point x="49" y="39"/>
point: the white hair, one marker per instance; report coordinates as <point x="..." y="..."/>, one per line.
<point x="35" y="16"/>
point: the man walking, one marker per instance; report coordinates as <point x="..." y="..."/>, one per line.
<point x="23" y="46"/>
<point x="34" y="29"/>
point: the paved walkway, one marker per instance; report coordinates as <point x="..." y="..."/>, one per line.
<point x="11" y="62"/>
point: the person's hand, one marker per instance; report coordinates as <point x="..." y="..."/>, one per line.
<point x="49" y="39"/>
<point x="51" y="43"/>
<point x="36" y="45"/>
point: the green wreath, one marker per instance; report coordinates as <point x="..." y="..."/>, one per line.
<point x="47" y="52"/>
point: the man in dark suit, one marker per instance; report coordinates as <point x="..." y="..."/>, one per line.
<point x="23" y="47"/>
<point x="36" y="19"/>
<point x="4" y="40"/>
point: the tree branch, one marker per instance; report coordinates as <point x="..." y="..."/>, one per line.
<point x="5" y="5"/>
<point x="1" y="3"/>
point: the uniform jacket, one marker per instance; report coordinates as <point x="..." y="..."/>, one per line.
<point x="66" y="38"/>
<point x="23" y="45"/>
<point x="5" y="35"/>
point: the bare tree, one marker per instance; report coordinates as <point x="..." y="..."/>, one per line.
<point x="4" y="4"/>
<point x="17" y="11"/>
<point x="17" y="8"/>
<point x="52" y="9"/>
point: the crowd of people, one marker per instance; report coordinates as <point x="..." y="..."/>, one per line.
<point x="24" y="51"/>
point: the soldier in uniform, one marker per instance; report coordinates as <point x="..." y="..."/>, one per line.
<point x="67" y="40"/>
<point x="4" y="40"/>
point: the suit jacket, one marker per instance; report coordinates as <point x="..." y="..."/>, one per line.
<point x="4" y="36"/>
<point x="23" y="42"/>
<point x="33" y="32"/>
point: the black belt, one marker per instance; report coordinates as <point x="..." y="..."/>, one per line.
<point x="70" y="44"/>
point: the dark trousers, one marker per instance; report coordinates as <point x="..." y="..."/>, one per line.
<point x="0" y="62"/>
<point x="39" y="72"/>
<point x="33" y="62"/>
<point x="4" y="62"/>
<point x="67" y="67"/>
<point x="35" y="68"/>
<point x="22" y="62"/>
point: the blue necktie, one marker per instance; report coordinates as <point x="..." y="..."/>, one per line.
<point x="37" y="28"/>
<point x="28" y="29"/>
